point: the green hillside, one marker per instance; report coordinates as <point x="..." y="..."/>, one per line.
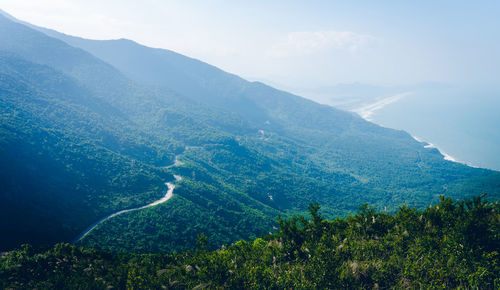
<point x="83" y="135"/>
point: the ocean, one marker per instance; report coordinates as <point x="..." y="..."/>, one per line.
<point x="464" y="124"/>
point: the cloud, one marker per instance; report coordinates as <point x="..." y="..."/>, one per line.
<point x="310" y="42"/>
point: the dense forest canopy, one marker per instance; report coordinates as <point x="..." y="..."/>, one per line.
<point x="453" y="244"/>
<point x="83" y="135"/>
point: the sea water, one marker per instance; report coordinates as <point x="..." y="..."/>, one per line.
<point x="463" y="124"/>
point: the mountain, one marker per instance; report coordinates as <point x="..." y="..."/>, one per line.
<point x="69" y="137"/>
<point x="61" y="149"/>
<point x="91" y="127"/>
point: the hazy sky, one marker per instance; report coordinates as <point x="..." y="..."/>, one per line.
<point x="299" y="43"/>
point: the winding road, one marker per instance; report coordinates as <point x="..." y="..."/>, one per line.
<point x="168" y="195"/>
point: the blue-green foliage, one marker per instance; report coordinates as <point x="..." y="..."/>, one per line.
<point x="85" y="136"/>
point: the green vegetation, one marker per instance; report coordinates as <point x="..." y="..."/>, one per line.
<point x="448" y="245"/>
<point x="81" y="137"/>
<point x="63" y="164"/>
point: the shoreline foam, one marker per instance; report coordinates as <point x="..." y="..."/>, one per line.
<point x="446" y="156"/>
<point x="367" y="111"/>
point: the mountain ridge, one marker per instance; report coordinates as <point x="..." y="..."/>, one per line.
<point x="250" y="152"/>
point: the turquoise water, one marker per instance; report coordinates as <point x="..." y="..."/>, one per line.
<point x="462" y="123"/>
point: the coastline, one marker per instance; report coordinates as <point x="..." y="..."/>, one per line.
<point x="466" y="129"/>
<point x="368" y="110"/>
<point x="446" y="156"/>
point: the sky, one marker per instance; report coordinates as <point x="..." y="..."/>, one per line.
<point x="299" y="43"/>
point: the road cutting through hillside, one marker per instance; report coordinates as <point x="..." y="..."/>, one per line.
<point x="168" y="195"/>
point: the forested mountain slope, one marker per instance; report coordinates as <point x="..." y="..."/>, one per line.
<point x="88" y="130"/>
<point x="342" y="141"/>
<point x="449" y="245"/>
<point x="348" y="142"/>
<point x="61" y="167"/>
<point x="74" y="150"/>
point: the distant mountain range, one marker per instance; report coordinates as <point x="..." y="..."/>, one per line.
<point x="89" y="128"/>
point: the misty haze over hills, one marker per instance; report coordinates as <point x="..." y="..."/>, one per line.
<point x="90" y="126"/>
<point x="459" y="120"/>
<point x="442" y="124"/>
<point x="131" y="167"/>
